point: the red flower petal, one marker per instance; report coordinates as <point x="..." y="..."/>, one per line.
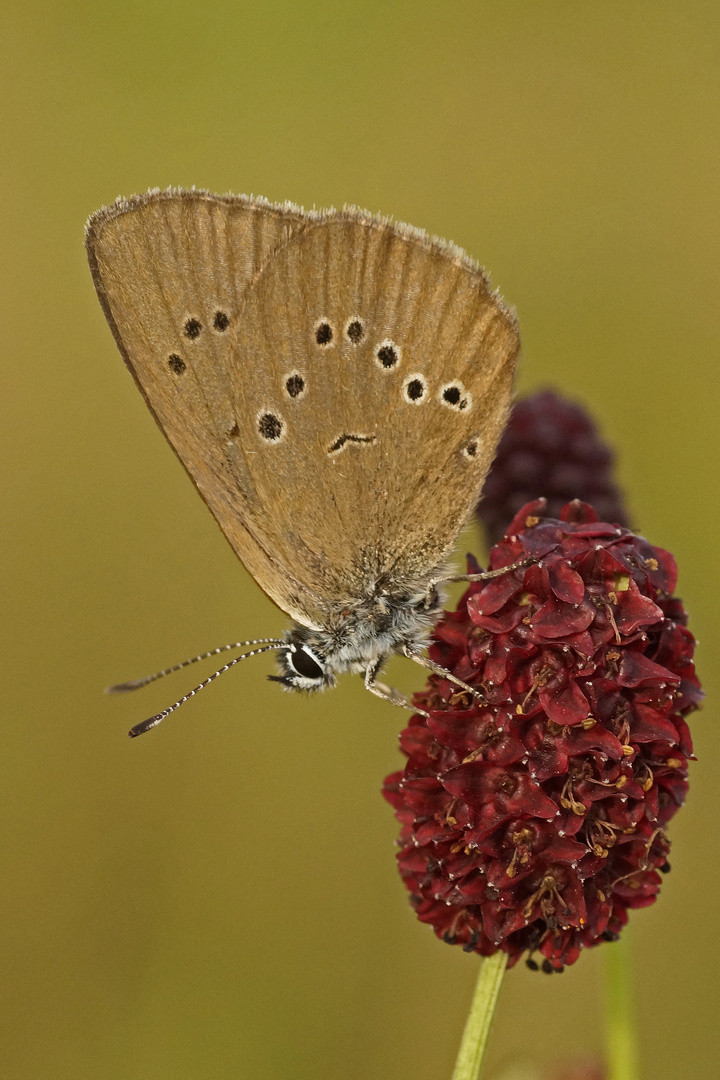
<point x="506" y="620"/>
<point x="524" y="517"/>
<point x="556" y="619"/>
<point x="566" y="583"/>
<point x="635" y="610"/>
<point x="565" y="706"/>
<point x="636" y="670"/>
<point x="497" y="592"/>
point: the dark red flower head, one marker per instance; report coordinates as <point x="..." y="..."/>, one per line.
<point x="534" y="820"/>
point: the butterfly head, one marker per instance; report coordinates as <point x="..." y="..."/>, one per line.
<point x="302" y="663"/>
<point x="359" y="635"/>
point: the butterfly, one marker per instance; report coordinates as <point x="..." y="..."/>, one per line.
<point x="335" y="385"/>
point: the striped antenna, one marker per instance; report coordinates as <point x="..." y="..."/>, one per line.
<point x="135" y="684"/>
<point x="153" y="721"/>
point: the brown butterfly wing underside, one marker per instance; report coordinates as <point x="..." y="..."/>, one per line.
<point x="335" y="385"/>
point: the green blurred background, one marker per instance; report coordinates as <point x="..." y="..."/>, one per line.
<point x="219" y="899"/>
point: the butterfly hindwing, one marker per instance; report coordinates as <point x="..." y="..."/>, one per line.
<point x="405" y="358"/>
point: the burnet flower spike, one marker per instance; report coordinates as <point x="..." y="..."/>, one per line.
<point x="535" y="819"/>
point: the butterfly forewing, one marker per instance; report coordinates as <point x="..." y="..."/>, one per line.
<point x="334" y="385"/>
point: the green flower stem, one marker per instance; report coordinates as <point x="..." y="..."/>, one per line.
<point x="477" y="1027"/>
<point x="621" y="1042"/>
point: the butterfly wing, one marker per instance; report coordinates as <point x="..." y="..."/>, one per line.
<point x="170" y="269"/>
<point x="334" y="385"/>
<point x="373" y="381"/>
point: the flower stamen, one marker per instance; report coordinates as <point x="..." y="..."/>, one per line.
<point x="547" y="896"/>
<point x="568" y="800"/>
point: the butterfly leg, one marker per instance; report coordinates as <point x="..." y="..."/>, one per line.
<point x="437" y="669"/>
<point x="488" y="575"/>
<point x="386" y="692"/>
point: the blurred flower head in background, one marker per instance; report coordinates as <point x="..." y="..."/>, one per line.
<point x="550" y="447"/>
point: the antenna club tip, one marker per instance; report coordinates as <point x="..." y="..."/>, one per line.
<point x="122" y="688"/>
<point x="146" y="725"/>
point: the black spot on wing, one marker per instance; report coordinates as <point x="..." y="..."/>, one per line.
<point x="355" y="331"/>
<point x="270" y="426"/>
<point x="294" y="385"/>
<point x="455" y="397"/>
<point x="323" y="332"/>
<point x="387" y="355"/>
<point x="414" y="389"/>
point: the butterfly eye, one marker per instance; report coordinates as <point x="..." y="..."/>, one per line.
<point x="304" y="663"/>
